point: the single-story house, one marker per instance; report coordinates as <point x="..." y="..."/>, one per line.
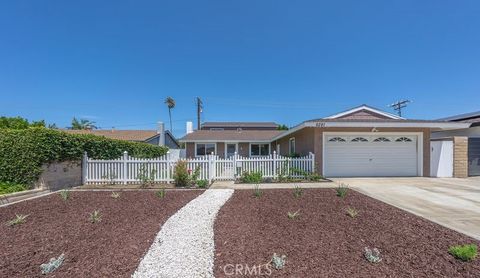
<point x="239" y="126"/>
<point x="472" y="135"/>
<point x="157" y="137"/>
<point x="362" y="141"/>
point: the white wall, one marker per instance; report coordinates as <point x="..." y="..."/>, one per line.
<point x="441" y="159"/>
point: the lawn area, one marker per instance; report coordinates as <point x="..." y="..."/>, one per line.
<point x="7" y="187"/>
<point x="112" y="247"/>
<point x="323" y="241"/>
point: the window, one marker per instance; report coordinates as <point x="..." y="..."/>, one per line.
<point x="359" y="139"/>
<point x="291" y="145"/>
<point x="382" y="139"/>
<point x="336" y="139"/>
<point x="204" y="149"/>
<point x="259" y="149"/>
<point x="403" y="139"/>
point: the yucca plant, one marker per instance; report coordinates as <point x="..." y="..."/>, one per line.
<point x="19" y="219"/>
<point x="257" y="192"/>
<point x="65" y="194"/>
<point x="352" y="212"/>
<point x="342" y="190"/>
<point x="293" y="215"/>
<point x="297" y="191"/>
<point x="95" y="216"/>
<point x="115" y="195"/>
<point x="161" y="193"/>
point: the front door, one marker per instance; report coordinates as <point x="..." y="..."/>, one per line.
<point x="230" y="150"/>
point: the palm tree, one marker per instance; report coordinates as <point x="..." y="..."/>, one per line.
<point x="170" y="102"/>
<point x="82" y="124"/>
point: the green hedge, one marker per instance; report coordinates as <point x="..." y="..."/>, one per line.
<point x="23" y="152"/>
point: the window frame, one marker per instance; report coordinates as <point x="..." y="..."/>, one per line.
<point x="290" y="145"/>
<point x="207" y="143"/>
<point x="259" y="149"/>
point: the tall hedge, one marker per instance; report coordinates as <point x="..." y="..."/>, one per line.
<point x="23" y="152"/>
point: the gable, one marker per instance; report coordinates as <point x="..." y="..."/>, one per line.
<point x="363" y="115"/>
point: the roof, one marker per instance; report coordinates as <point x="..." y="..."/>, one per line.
<point x="240" y="124"/>
<point x="467" y="117"/>
<point x="366" y="108"/>
<point x="128" y="135"/>
<point x="231" y="135"/>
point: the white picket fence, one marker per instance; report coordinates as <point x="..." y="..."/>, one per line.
<point x="127" y="169"/>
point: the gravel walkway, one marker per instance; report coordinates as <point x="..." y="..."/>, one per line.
<point x="184" y="247"/>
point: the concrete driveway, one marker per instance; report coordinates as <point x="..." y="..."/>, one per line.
<point x="453" y="203"/>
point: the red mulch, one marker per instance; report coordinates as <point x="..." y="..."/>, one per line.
<point x="325" y="242"/>
<point x="112" y="247"/>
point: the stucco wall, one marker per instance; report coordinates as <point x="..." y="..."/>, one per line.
<point x="469" y="132"/>
<point x="61" y="175"/>
<point x="304" y="142"/>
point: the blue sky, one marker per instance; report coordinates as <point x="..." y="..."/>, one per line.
<point x="114" y="62"/>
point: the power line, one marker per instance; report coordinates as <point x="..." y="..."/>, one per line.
<point x="397" y="106"/>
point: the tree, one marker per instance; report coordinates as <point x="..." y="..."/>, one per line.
<point x="19" y="123"/>
<point x="82" y="124"/>
<point x="170" y="102"/>
<point x="282" y="127"/>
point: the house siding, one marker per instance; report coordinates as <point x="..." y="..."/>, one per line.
<point x="304" y="142"/>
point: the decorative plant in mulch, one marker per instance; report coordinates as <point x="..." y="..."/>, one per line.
<point x="19" y="219"/>
<point x="53" y="264"/>
<point x="257" y="192"/>
<point x="293" y="215"/>
<point x="65" y="194"/>
<point x="467" y="252"/>
<point x="342" y="190"/>
<point x="278" y="262"/>
<point x="372" y="255"/>
<point x="115" y="195"/>
<point x="161" y="193"/>
<point x="352" y="212"/>
<point x="297" y="191"/>
<point x="95" y="216"/>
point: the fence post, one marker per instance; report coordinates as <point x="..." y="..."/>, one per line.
<point x="211" y="167"/>
<point x="125" y="175"/>
<point x="169" y="166"/>
<point x="84" y="168"/>
<point x="235" y="165"/>
<point x="274" y="164"/>
<point x="312" y="159"/>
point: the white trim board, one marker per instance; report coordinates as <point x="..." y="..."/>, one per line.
<point x="365" y="107"/>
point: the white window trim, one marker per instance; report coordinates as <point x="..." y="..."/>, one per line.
<point x="254" y="143"/>
<point x="294" y="145"/>
<point x="197" y="155"/>
<point x="230" y="143"/>
<point x="400" y="134"/>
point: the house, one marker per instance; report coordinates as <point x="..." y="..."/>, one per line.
<point x="158" y="137"/>
<point x="470" y="134"/>
<point x="362" y="141"/>
<point x="239" y="126"/>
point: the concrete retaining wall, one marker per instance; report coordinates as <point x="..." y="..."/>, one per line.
<point x="60" y="175"/>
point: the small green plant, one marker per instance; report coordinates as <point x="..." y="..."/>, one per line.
<point x="181" y="175"/>
<point x="293" y="215"/>
<point x="297" y="191"/>
<point x="194" y="176"/>
<point x="161" y="193"/>
<point x="11" y="187"/>
<point x="115" y="195"/>
<point x="467" y="252"/>
<point x="95" y="216"/>
<point x="342" y="191"/>
<point x="372" y="255"/>
<point x="252" y="177"/>
<point x="146" y="177"/>
<point x="257" y="192"/>
<point x="202" y="183"/>
<point x="352" y="212"/>
<point x="65" y="194"/>
<point x="278" y="262"/>
<point x="52" y="265"/>
<point x="19" y="219"/>
<point x="314" y="177"/>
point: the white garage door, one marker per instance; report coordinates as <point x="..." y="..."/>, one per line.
<point x="370" y="155"/>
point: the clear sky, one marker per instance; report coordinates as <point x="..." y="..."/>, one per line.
<point x="114" y="62"/>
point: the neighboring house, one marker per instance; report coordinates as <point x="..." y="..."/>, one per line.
<point x="362" y="141"/>
<point x="239" y="126"/>
<point x="153" y="137"/>
<point x="473" y="135"/>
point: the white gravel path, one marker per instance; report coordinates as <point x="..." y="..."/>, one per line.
<point x="184" y="247"/>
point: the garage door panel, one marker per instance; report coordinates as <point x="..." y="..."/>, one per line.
<point x="347" y="158"/>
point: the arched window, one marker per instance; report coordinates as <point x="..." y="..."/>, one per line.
<point x="336" y="139"/>
<point x="359" y="139"/>
<point x="381" y="139"/>
<point x="403" y="139"/>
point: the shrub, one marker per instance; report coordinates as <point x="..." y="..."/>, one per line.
<point x="24" y="151"/>
<point x="161" y="193"/>
<point x="95" y="216"/>
<point x="53" y="264"/>
<point x="277" y="261"/>
<point x="352" y="212"/>
<point x="252" y="177"/>
<point x="372" y="255"/>
<point x="467" y="252"/>
<point x="195" y="175"/>
<point x="19" y="219"/>
<point x="147" y="178"/>
<point x="65" y="194"/>
<point x="293" y="215"/>
<point x="11" y="187"/>
<point x="342" y="190"/>
<point x="297" y="191"/>
<point x="257" y="192"/>
<point x="181" y="176"/>
<point x="202" y="183"/>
